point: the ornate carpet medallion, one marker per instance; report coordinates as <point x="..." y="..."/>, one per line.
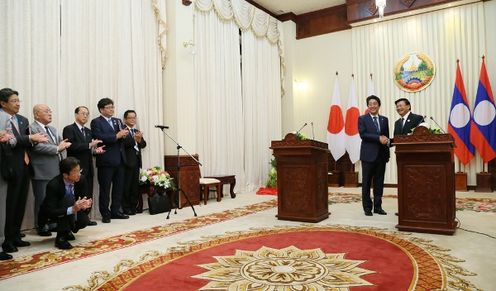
<point x="306" y="257"/>
<point x="285" y="269"/>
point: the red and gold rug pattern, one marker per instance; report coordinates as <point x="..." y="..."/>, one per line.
<point x="26" y="264"/>
<point x="23" y="265"/>
<point x="283" y="258"/>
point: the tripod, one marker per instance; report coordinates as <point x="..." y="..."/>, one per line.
<point x="179" y="190"/>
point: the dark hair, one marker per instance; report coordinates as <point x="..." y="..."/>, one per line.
<point x="68" y="164"/>
<point x="373" y="97"/>
<point x="402" y="99"/>
<point x="104" y="102"/>
<point x="79" y="108"/>
<point x="5" y="94"/>
<point x="127" y="113"/>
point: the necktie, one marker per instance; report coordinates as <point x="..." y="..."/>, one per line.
<point x="14" y="122"/>
<point x="50" y="134"/>
<point x="82" y="131"/>
<point x="376" y="122"/>
<point x="402" y="124"/>
<point x="110" y="123"/>
<point x="133" y="132"/>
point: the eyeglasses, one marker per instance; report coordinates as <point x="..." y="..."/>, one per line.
<point x="109" y="107"/>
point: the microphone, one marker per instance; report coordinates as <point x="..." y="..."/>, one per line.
<point x="313" y="132"/>
<point x="440" y="128"/>
<point x="301" y="128"/>
<point x="162" y="127"/>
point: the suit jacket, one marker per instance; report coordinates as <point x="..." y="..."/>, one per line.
<point x="45" y="157"/>
<point x="411" y="122"/>
<point x="80" y="147"/>
<point x="371" y="146"/>
<point x="22" y="145"/>
<point x="133" y="157"/>
<point x="54" y="204"/>
<point x="114" y="151"/>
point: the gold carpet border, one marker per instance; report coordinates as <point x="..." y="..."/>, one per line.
<point x="423" y="252"/>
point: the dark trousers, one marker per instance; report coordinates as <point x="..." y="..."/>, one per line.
<point x="373" y="171"/>
<point x="110" y="178"/>
<point x="39" y="191"/>
<point x="88" y="180"/>
<point x="65" y="223"/>
<point x="17" y="194"/>
<point x="130" y="199"/>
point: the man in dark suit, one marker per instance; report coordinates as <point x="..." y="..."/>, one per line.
<point x="66" y="202"/>
<point x="133" y="143"/>
<point x="18" y="184"/>
<point x="374" y="154"/>
<point x="111" y="131"/>
<point x="82" y="148"/>
<point x="408" y="120"/>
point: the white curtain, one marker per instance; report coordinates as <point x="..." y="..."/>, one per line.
<point x="67" y="53"/>
<point x="261" y="105"/>
<point x="445" y="35"/>
<point x="218" y="92"/>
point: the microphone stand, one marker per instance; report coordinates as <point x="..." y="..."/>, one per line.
<point x="179" y="190"/>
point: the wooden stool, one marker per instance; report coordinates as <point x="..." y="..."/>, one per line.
<point x="206" y="184"/>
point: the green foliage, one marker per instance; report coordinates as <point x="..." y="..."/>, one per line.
<point x="434" y="130"/>
<point x="300" y="136"/>
<point x="272" y="182"/>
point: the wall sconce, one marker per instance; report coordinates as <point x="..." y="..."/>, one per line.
<point x="190" y="45"/>
<point x="381" y="5"/>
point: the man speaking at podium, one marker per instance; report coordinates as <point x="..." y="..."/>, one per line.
<point x="408" y="120"/>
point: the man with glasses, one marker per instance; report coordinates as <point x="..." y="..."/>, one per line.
<point x="111" y="131"/>
<point x="18" y="182"/>
<point x="45" y="158"/>
<point x="133" y="144"/>
<point x="66" y="202"/>
<point x="83" y="146"/>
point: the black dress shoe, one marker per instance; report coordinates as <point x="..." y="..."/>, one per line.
<point x="44" y="233"/>
<point x="62" y="244"/>
<point x="22" y="235"/>
<point x="119" y="216"/>
<point x="368" y="213"/>
<point x="396" y="213"/>
<point x="4" y="256"/>
<point x="92" y="223"/>
<point x="380" y="211"/>
<point x="21" y="243"/>
<point x="106" y="219"/>
<point x="70" y="236"/>
<point x="9" y="247"/>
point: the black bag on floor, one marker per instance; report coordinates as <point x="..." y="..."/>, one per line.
<point x="158" y="203"/>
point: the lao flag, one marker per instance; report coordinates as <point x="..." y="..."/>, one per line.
<point x="335" y="126"/>
<point x="483" y="131"/>
<point x="353" y="140"/>
<point x="460" y="120"/>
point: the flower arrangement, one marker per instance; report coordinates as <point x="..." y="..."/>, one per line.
<point x="156" y="177"/>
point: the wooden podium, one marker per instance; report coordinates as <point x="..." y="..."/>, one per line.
<point x="301" y="179"/>
<point x="426" y="182"/>
<point x="190" y="177"/>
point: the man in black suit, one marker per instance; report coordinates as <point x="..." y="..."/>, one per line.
<point x="66" y="202"/>
<point x="374" y="154"/>
<point x="82" y="148"/>
<point x="18" y="161"/>
<point x="133" y="143"/>
<point x="111" y="131"/>
<point x="408" y="120"/>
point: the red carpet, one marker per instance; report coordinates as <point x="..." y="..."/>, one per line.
<point x="358" y="259"/>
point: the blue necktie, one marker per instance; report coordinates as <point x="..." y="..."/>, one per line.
<point x="376" y="122"/>
<point x="110" y="123"/>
